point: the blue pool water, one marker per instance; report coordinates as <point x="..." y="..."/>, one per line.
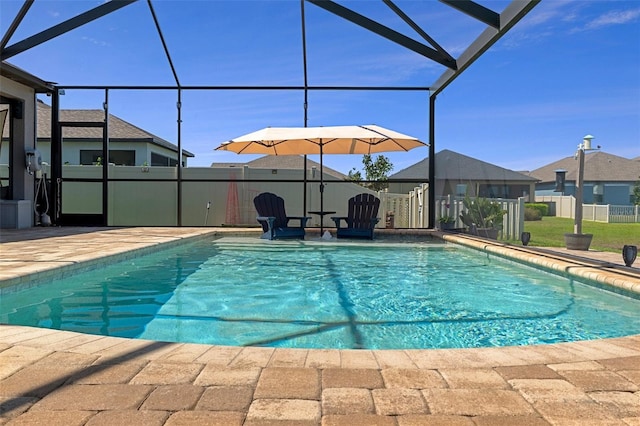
<point x="322" y="295"/>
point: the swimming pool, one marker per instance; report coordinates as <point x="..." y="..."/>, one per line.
<point x="321" y="295"/>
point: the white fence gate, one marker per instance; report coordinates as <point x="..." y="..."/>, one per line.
<point x="395" y="208"/>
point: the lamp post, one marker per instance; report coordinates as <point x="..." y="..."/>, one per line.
<point x="578" y="240"/>
<point x="584" y="146"/>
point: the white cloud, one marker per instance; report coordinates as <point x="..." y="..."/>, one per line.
<point x="548" y="12"/>
<point x="95" y="41"/>
<point x="548" y="19"/>
<point x="541" y="23"/>
<point x="614" y="17"/>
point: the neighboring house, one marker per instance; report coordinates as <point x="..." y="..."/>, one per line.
<point x="128" y="145"/>
<point x="458" y="175"/>
<point x="608" y="179"/>
<point x="287" y="162"/>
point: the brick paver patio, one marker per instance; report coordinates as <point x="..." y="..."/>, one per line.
<point x="54" y="377"/>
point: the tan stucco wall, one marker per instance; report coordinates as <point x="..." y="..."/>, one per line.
<point x="23" y="138"/>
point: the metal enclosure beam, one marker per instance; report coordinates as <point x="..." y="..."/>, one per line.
<point x="164" y="43"/>
<point x="385" y="32"/>
<point x="497" y="26"/>
<point x="476" y="11"/>
<point x="56" y="158"/>
<point x="431" y="203"/>
<point x="417" y="29"/>
<point x="508" y="18"/>
<point x="15" y="23"/>
<point x="63" y="27"/>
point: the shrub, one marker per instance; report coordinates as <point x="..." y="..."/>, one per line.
<point x="447" y="219"/>
<point x="540" y="207"/>
<point x="482" y="212"/>
<point x="531" y="214"/>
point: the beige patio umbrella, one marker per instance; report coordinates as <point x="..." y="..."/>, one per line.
<point x="367" y="139"/>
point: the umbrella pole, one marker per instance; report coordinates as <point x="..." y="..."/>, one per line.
<point x="321" y="193"/>
<point x="304" y="188"/>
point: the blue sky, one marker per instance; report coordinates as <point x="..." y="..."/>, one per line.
<point x="568" y="69"/>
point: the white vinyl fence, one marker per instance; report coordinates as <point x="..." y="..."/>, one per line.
<point x="513" y="220"/>
<point x="565" y="206"/>
<point x="223" y="197"/>
<point x="512" y="226"/>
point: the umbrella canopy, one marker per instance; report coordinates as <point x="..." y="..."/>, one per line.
<point x="367" y="139"/>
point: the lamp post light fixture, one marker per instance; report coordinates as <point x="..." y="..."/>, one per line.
<point x="584" y="146"/>
<point x="578" y="240"/>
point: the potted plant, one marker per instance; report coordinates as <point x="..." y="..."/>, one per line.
<point x="482" y="217"/>
<point x="447" y="223"/>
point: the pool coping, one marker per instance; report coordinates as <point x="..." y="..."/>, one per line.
<point x="604" y="274"/>
<point x="72" y="266"/>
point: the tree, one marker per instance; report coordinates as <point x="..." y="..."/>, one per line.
<point x="354" y="175"/>
<point x="375" y="170"/>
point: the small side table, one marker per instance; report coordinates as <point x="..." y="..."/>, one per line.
<point x="322" y="214"/>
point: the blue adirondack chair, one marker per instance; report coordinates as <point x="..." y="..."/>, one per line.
<point x="361" y="218"/>
<point x="274" y="219"/>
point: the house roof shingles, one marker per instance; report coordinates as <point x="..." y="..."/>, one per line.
<point x="284" y="162"/>
<point x="451" y="165"/>
<point x="598" y="166"/>
<point x="119" y="130"/>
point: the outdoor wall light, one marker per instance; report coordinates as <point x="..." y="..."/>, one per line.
<point x="629" y="254"/>
<point x="525" y="237"/>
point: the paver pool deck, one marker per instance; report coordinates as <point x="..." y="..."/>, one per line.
<point x="54" y="377"/>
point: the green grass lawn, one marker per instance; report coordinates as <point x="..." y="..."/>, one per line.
<point x="549" y="232"/>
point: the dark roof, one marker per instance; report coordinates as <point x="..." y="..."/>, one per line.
<point x="451" y="165"/>
<point x="283" y="162"/>
<point x="21" y="76"/>
<point x="119" y="130"/>
<point x="598" y="166"/>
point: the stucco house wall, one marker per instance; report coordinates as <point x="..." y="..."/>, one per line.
<point x="18" y="94"/>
